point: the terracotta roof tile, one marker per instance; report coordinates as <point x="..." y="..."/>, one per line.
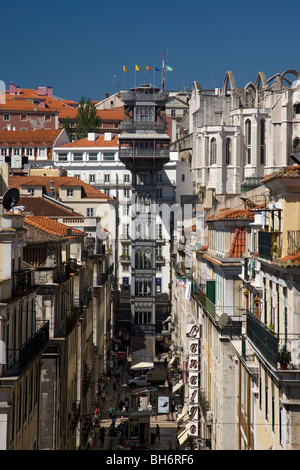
<point x="87" y="191"/>
<point x="39" y="206"/>
<point x="292" y="171"/>
<point x="52" y="227"/>
<point x="99" y="142"/>
<point x="39" y="136"/>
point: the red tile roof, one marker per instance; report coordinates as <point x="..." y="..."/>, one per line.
<point x="292" y="171"/>
<point x="52" y="227"/>
<point x="46" y="137"/>
<point x="99" y="142"/>
<point x="39" y="206"/>
<point x="87" y="191"/>
<point x="238" y="245"/>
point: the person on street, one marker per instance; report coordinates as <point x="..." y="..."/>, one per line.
<point x="111" y="411"/>
<point x="121" y="405"/>
<point x="157" y="432"/>
<point x="102" y="434"/>
<point x="126" y="403"/>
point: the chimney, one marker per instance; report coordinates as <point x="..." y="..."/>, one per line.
<point x="42" y="103"/>
<point x="12" y="88"/>
<point x="50" y="91"/>
<point x="18" y="91"/>
<point x="107" y="136"/>
<point x="106" y="95"/>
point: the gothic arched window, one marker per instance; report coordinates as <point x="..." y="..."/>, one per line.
<point x="213" y="151"/>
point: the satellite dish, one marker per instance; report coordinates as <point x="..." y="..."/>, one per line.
<point x="223" y="320"/>
<point x="10" y="198"/>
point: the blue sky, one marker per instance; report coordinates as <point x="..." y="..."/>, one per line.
<point x="79" y="47"/>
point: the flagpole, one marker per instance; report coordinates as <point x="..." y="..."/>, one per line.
<point x="163" y="73"/>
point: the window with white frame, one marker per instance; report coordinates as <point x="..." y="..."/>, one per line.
<point x="108" y="156"/>
<point x="6" y="117"/>
<point x="31" y="191"/>
<point x="4" y="152"/>
<point x="17" y="151"/>
<point x="70" y="192"/>
<point x="78" y="157"/>
<point x="126" y="178"/>
<point x="90" y="211"/>
<point x="106" y="179"/>
<point x="42" y="152"/>
<point x="92" y="178"/>
<point x="126" y="193"/>
<point x="29" y="152"/>
<point x="62" y="157"/>
<point x="23" y="117"/>
<point x="93" y="156"/>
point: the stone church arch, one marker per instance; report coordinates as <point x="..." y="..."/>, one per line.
<point x="228" y="78"/>
<point x="250" y="95"/>
<point x="261" y="81"/>
<point x="291" y="83"/>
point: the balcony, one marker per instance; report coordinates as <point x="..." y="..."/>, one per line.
<point x="205" y="295"/>
<point x="269" y="244"/>
<point x="22" y="282"/>
<point x="143" y="125"/>
<point x="34" y="345"/>
<point x="132" y="97"/>
<point x="139" y="152"/>
<point x="126" y="259"/>
<point x="263" y="338"/>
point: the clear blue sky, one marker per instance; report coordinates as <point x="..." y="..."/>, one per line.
<point x="80" y="46"/>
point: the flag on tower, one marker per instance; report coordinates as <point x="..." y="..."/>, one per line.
<point x="137" y="68"/>
<point x="169" y="69"/>
<point x="147" y="67"/>
<point x="124" y="69"/>
<point x="156" y="69"/>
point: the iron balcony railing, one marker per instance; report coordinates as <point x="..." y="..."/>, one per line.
<point x="156" y="97"/>
<point x="138" y="152"/>
<point x="34" y="345"/>
<point x="262" y="337"/>
<point x="269" y="244"/>
<point x="143" y="125"/>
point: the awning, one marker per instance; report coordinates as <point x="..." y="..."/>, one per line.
<point x="183" y="435"/>
<point x="142" y="359"/>
<point x="177" y="386"/>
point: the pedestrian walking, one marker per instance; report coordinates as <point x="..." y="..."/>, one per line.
<point x="157" y="432"/>
<point x="159" y="356"/>
<point x="121" y="405"/>
<point x="126" y="403"/>
<point x="111" y="411"/>
<point x="102" y="434"/>
<point x="149" y="408"/>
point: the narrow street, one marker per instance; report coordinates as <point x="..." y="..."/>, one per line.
<point x="113" y="395"/>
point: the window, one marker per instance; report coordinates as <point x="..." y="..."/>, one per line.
<point x="92" y="178"/>
<point x="47" y="118"/>
<point x="248" y="141"/>
<point x="106" y="192"/>
<point x="90" y="212"/>
<point x="182" y="178"/>
<point x="173" y="112"/>
<point x="228" y="151"/>
<point x="72" y="123"/>
<point x="70" y="192"/>
<point x="62" y="157"/>
<point x="93" y="156"/>
<point x="30" y="191"/>
<point x="29" y="152"/>
<point x="42" y="152"/>
<point x="108" y="156"/>
<point x="6" y="117"/>
<point x="213" y="151"/>
<point x="159" y="193"/>
<point x="262" y="141"/>
<point x="77" y="176"/>
<point x="4" y="152"/>
<point x="296" y="145"/>
<point x="16" y="151"/>
<point x="23" y="117"/>
<point x="126" y="193"/>
<point x="297" y="108"/>
<point x="126" y="178"/>
<point x="106" y="179"/>
<point x="78" y="156"/>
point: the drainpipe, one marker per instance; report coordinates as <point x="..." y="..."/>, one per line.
<point x="246" y="294"/>
<point x="239" y="410"/>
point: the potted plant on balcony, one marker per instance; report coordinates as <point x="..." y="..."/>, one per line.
<point x="283" y="357"/>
